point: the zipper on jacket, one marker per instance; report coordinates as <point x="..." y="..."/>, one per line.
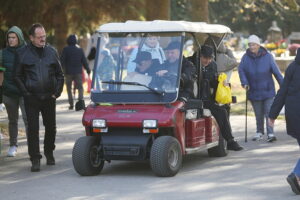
<point x="40" y="72"/>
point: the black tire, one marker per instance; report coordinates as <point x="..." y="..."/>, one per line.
<point x="86" y="158"/>
<point x="166" y="156"/>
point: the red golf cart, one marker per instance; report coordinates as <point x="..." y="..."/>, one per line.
<point x="131" y="119"/>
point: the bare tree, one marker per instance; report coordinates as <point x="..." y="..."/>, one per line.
<point x="62" y="17"/>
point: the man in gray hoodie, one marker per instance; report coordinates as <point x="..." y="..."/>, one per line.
<point x="12" y="97"/>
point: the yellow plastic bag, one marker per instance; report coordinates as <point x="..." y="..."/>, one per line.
<point x="223" y="94"/>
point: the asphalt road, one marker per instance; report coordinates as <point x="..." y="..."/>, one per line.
<point x="256" y="173"/>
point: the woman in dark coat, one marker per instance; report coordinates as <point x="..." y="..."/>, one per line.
<point x="289" y="95"/>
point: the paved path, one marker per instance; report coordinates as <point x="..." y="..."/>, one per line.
<point x="256" y="173"/>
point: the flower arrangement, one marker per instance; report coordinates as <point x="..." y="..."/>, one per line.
<point x="278" y="48"/>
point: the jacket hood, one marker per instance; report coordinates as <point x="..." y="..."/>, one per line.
<point x="72" y="40"/>
<point x="297" y="58"/>
<point x="19" y="33"/>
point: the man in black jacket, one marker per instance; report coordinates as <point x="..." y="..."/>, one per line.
<point x="208" y="92"/>
<point x="170" y="71"/>
<point x="72" y="60"/>
<point x="40" y="79"/>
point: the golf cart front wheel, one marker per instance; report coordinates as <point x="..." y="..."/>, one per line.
<point x="86" y="156"/>
<point x="166" y="156"/>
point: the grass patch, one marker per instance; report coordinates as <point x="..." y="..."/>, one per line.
<point x="239" y="108"/>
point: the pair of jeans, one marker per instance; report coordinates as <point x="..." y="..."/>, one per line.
<point x="12" y="105"/>
<point x="297" y="167"/>
<point x="261" y="110"/>
<point x="47" y="107"/>
<point x="77" y="78"/>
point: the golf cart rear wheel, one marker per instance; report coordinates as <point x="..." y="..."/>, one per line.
<point x="166" y="156"/>
<point x="86" y="156"/>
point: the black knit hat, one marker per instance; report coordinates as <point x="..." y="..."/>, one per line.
<point x="207" y="51"/>
<point x="141" y="56"/>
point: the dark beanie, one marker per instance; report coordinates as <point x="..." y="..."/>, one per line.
<point x="207" y="51"/>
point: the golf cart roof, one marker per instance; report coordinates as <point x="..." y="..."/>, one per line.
<point x="163" y="26"/>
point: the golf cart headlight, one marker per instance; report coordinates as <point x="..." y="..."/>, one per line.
<point x="150" y="123"/>
<point x="99" y="123"/>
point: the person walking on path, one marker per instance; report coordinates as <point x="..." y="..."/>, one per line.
<point x="288" y="96"/>
<point x="72" y="60"/>
<point x="12" y="97"/>
<point x="255" y="70"/>
<point x="40" y="78"/>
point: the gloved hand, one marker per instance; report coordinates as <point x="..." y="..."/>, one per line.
<point x="183" y="99"/>
<point x="246" y="87"/>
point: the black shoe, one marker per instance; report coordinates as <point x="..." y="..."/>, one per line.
<point x="233" y="145"/>
<point x="50" y="160"/>
<point x="292" y="180"/>
<point x="71" y="107"/>
<point x="35" y="165"/>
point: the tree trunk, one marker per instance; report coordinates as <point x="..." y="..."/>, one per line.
<point x="60" y="26"/>
<point x="199" y="10"/>
<point x="158" y="9"/>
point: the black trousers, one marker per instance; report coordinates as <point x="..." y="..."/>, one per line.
<point x="47" y="107"/>
<point x="222" y="117"/>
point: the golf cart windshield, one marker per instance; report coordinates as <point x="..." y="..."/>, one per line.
<point x="137" y="67"/>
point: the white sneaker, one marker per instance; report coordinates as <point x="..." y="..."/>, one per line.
<point x="12" y="151"/>
<point x="271" y="138"/>
<point x="257" y="137"/>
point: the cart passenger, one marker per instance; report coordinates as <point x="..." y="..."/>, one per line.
<point x="210" y="76"/>
<point x="151" y="45"/>
<point x="106" y="67"/>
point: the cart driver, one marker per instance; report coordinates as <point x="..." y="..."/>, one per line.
<point x="170" y="70"/>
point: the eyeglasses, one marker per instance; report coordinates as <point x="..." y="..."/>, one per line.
<point x="41" y="37"/>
